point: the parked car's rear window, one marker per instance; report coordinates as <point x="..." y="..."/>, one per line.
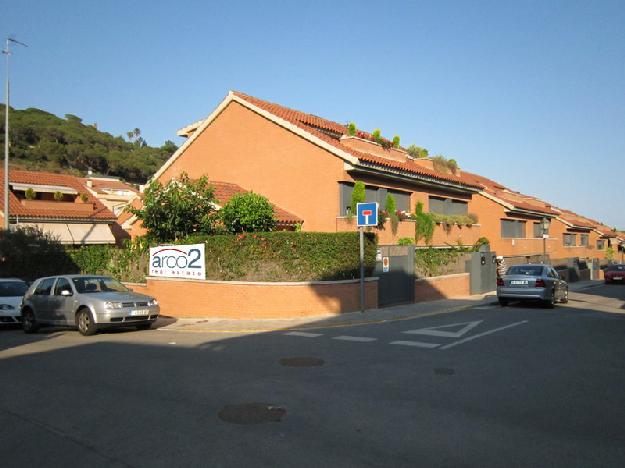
<point x="12" y="288"/>
<point x="530" y="270"/>
<point x="97" y="284"/>
<point x="615" y="268"/>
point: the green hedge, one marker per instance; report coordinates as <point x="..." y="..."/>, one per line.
<point x="285" y="256"/>
<point x="273" y="256"/>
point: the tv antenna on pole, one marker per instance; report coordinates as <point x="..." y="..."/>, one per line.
<point x="7" y="51"/>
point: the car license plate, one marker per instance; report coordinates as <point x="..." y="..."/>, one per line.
<point x="139" y="312"/>
<point x="617" y="278"/>
<point x="519" y="283"/>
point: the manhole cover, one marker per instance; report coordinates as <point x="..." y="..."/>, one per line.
<point x="251" y="413"/>
<point x="301" y="362"/>
<point x="444" y="371"/>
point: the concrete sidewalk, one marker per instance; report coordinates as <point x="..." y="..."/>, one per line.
<point x="372" y="316"/>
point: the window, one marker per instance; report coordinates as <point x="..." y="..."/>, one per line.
<point x="448" y="206"/>
<point x="372" y="194"/>
<point x="529" y="270"/>
<point x="62" y="285"/>
<point x="600" y="244"/>
<point x="583" y="240"/>
<point x="97" y="284"/>
<point x="12" y="288"/>
<point x="538" y="231"/>
<point x="568" y="240"/>
<point x="513" y="229"/>
<point x="44" y="287"/>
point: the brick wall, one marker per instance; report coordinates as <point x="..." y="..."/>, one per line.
<point x="246" y="300"/>
<point x="442" y="287"/>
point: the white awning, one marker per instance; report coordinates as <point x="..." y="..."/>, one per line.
<point x="76" y="233"/>
<point x="44" y="188"/>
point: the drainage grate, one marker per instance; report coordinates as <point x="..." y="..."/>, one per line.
<point x="444" y="371"/>
<point x="302" y="361"/>
<point x="251" y="413"/>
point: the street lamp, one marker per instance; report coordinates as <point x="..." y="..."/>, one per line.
<point x="7" y="52"/>
<point x="544" y="224"/>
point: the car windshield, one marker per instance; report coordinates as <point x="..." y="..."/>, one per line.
<point x="616" y="268"/>
<point x="12" y="288"/>
<point x="529" y="270"/>
<point x="97" y="284"/>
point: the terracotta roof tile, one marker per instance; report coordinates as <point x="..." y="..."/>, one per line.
<point x="113" y="184"/>
<point x="315" y="125"/>
<point x="65" y="210"/>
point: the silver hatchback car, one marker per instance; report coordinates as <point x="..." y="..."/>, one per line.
<point x="532" y="282"/>
<point x="87" y="302"/>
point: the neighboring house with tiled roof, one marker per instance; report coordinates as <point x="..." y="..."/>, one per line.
<point x="114" y="193"/>
<point x="223" y="192"/>
<point x="59" y="204"/>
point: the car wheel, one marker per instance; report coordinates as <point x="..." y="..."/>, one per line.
<point x="144" y="326"/>
<point x="565" y="297"/>
<point x="551" y="302"/>
<point x="84" y="322"/>
<point x="502" y="302"/>
<point x="29" y="321"/>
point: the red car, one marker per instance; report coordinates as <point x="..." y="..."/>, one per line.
<point x="614" y="274"/>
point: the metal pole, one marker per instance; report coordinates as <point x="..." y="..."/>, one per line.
<point x="362" y="269"/>
<point x="544" y="248"/>
<point x="6" y="144"/>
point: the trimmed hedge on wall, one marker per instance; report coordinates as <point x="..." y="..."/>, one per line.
<point x="285" y="256"/>
<point x="273" y="256"/>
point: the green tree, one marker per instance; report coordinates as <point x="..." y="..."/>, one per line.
<point x="177" y="209"/>
<point x="247" y="212"/>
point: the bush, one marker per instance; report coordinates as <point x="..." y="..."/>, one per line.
<point x="391" y="209"/>
<point x="417" y="152"/>
<point x="424" y="224"/>
<point x="396" y="141"/>
<point x="30" y="194"/>
<point x="247" y="212"/>
<point x="358" y="196"/>
<point x="29" y="254"/>
<point x="433" y="262"/>
<point x="405" y="241"/>
<point x="177" y="209"/>
<point x="58" y="196"/>
<point x="351" y="129"/>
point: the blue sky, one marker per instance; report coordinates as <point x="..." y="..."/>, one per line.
<point x="529" y="93"/>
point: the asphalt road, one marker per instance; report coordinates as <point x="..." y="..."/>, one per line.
<point x="489" y="386"/>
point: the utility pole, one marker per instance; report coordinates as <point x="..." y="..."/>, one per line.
<point x="7" y="51"/>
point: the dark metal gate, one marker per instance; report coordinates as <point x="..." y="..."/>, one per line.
<point x="395" y="267"/>
<point x="483" y="269"/>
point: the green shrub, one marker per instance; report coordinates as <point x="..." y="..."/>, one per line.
<point x="84" y="197"/>
<point x="442" y="164"/>
<point x="28" y="253"/>
<point x="405" y="241"/>
<point x="352" y="129"/>
<point x="30" y="194"/>
<point x="432" y="262"/>
<point x="247" y="212"/>
<point x="376" y="135"/>
<point x="424" y="224"/>
<point x="396" y="141"/>
<point x="58" y="196"/>
<point x="417" y="152"/>
<point x="358" y="196"/>
<point x="285" y="256"/>
<point x="177" y="209"/>
<point x="391" y="209"/>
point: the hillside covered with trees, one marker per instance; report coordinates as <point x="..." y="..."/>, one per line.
<point x="42" y="141"/>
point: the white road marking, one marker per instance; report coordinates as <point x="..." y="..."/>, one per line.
<point x="304" y="334"/>
<point x="417" y="344"/>
<point x="484" y="307"/>
<point x="479" y="335"/>
<point x="436" y="331"/>
<point x="354" y="338"/>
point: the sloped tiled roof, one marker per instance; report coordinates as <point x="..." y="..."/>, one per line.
<point x="516" y="199"/>
<point x="224" y="191"/>
<point x="65" y="211"/>
<point x="112" y="184"/>
<point x="316" y="125"/>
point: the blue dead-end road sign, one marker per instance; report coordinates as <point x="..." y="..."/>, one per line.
<point x="367" y="214"/>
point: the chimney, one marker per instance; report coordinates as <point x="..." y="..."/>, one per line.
<point x="89" y="183"/>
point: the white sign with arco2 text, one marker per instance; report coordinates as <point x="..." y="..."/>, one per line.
<point x="178" y="261"/>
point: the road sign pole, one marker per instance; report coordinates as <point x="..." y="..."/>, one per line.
<point x="362" y="269"/>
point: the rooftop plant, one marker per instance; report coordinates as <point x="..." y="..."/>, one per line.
<point x="396" y="141"/>
<point x="30" y="194"/>
<point x="417" y="152"/>
<point x="442" y="164"/>
<point x="351" y="129"/>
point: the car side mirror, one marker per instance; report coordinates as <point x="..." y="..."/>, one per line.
<point x="66" y="293"/>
